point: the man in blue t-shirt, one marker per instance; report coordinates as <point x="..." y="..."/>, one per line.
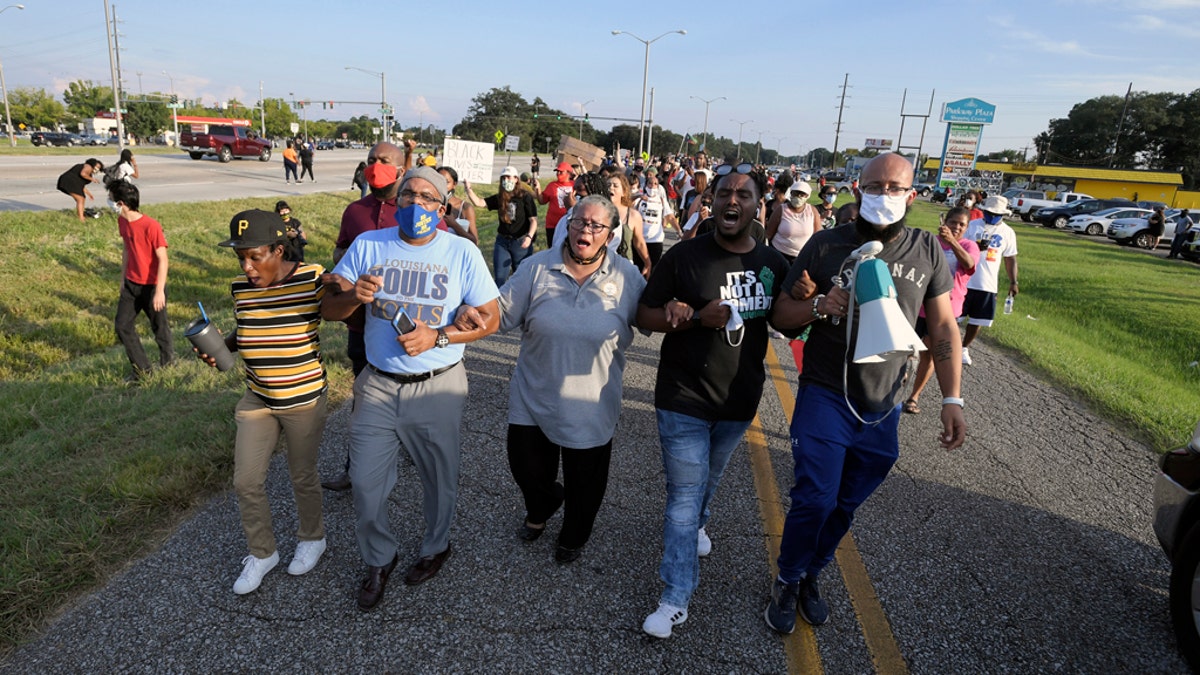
<point x="412" y="279"/>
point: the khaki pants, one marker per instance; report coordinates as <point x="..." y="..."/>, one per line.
<point x="257" y="433"/>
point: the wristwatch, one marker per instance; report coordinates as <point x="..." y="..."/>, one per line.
<point x="442" y="339"/>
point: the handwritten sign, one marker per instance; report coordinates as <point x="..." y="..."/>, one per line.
<point x="473" y="161"/>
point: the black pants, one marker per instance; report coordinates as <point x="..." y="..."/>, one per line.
<point x="138" y="298"/>
<point x="533" y="460"/>
<point x="306" y="168"/>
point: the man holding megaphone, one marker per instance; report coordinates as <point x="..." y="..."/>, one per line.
<point x="872" y="278"/>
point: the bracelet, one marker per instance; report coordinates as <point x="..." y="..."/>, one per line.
<point x="952" y="400"/>
<point x="816" y="312"/>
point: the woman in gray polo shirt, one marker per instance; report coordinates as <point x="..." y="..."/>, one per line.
<point x="575" y="306"/>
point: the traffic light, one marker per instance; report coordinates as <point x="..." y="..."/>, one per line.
<point x="174" y="99"/>
<point x="585" y="117"/>
<point x="558" y="117"/>
<point x="535" y="116"/>
<point x="331" y="105"/>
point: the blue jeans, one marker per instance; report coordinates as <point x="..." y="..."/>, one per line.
<point x="839" y="463"/>
<point x="695" y="453"/>
<point x="506" y="255"/>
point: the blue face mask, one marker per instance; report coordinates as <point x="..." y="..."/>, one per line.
<point x="416" y="222"/>
<point x="992" y="218"/>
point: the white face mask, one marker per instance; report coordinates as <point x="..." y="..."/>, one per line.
<point x="968" y="203"/>
<point x="508" y="184"/>
<point x="882" y="210"/>
<point x="795" y="202"/>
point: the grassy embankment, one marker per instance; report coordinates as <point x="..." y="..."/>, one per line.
<point x="92" y="473"/>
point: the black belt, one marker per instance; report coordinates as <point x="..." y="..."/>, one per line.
<point x="410" y="378"/>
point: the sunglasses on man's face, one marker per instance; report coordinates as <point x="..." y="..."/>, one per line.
<point x="726" y="169"/>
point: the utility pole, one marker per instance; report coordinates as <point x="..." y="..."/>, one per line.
<point x="837" y="134"/>
<point x="110" y="27"/>
<point x="924" y="121"/>
<point x="1113" y="157"/>
<point x="650" y="125"/>
<point x="262" y="110"/>
<point x="140" y="92"/>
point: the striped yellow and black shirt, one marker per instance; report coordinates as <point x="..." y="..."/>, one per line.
<point x="277" y="334"/>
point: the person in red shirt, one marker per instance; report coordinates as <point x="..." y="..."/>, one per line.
<point x="144" y="284"/>
<point x="560" y="195"/>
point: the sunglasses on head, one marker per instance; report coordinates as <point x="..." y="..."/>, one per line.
<point x="726" y="169"/>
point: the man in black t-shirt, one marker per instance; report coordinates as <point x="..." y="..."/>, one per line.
<point x="844" y="427"/>
<point x="710" y="373"/>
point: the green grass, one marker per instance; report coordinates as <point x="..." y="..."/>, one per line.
<point x="93" y="473"/>
<point x="26" y="149"/>
<point x="1115" y="326"/>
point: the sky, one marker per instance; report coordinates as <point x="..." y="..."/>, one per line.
<point x="779" y="66"/>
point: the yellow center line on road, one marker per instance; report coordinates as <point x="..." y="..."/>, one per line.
<point x="801" y="647"/>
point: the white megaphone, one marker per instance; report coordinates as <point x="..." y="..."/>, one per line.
<point x="883" y="332"/>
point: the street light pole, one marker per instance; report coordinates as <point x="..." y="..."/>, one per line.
<point x="12" y="136"/>
<point x="741" y="125"/>
<point x="758" y="147"/>
<point x="174" y="109"/>
<point x="582" y="114"/>
<point x="704" y="146"/>
<point x="386" y="131"/>
<point x="645" y="79"/>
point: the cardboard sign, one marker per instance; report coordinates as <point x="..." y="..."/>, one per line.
<point x="472" y="160"/>
<point x="574" y="151"/>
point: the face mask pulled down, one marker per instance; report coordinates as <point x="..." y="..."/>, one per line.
<point x="416" y="222"/>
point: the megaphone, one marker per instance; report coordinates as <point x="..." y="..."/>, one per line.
<point x="883" y="332"/>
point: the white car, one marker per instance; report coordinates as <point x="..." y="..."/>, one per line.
<point x="1097" y="223"/>
<point x="1136" y="231"/>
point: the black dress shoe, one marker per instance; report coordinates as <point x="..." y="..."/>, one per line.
<point x="373" y="586"/>
<point x="425" y="568"/>
<point x="339" y="484"/>
<point x="528" y="533"/>
<point x="565" y="555"/>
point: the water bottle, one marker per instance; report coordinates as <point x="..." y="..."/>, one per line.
<point x="1008" y="304"/>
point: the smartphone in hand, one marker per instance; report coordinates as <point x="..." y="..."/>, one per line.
<point x="402" y="323"/>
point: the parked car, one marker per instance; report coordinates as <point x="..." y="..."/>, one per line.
<point x="1059" y="216"/>
<point x="1027" y="205"/>
<point x="324" y="145"/>
<point x="1136" y="231"/>
<point x="94" y="139"/>
<point x="54" y="138"/>
<point x="1097" y="223"/>
<point x="923" y="189"/>
<point x="1191" y="247"/>
<point x="1177" y="526"/>
<point x="1147" y="204"/>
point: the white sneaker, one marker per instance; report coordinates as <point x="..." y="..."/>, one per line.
<point x="659" y="623"/>
<point x="307" y="555"/>
<point x="253" y="572"/>
<point x="966" y="356"/>
<point x="703" y="544"/>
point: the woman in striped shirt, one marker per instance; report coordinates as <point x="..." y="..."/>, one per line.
<point x="276" y="306"/>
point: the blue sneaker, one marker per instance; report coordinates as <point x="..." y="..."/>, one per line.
<point x="781" y="611"/>
<point x="812" y="608"/>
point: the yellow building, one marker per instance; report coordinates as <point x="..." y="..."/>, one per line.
<point x="1159" y="186"/>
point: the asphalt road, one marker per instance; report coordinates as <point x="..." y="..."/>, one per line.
<point x="1029" y="550"/>
<point x="27" y="182"/>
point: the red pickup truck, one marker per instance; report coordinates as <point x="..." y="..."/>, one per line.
<point x="226" y="142"/>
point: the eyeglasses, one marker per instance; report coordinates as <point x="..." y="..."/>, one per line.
<point x="581" y="225"/>
<point x="726" y="169"/>
<point x="423" y="198"/>
<point x="893" y="191"/>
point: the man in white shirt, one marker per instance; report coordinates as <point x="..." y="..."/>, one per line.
<point x="997" y="242"/>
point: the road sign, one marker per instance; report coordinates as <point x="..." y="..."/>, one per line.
<point x="511" y="143"/>
<point x="174" y="106"/>
<point x="295" y="127"/>
<point x="386" y="110"/>
<point x="499" y="136"/>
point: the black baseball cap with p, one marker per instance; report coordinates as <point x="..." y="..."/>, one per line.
<point x="255" y="227"/>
